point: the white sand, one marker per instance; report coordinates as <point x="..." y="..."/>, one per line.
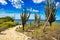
<point x="11" y="34"/>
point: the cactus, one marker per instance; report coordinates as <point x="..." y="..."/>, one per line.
<point x="24" y="17"/>
<point x="37" y="19"/>
<point x="50" y="10"/>
<point x="50" y="13"/>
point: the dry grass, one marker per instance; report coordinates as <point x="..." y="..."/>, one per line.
<point x="38" y="31"/>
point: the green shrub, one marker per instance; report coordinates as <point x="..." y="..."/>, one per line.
<point x="6" y="22"/>
<point x="6" y="25"/>
<point x="6" y="19"/>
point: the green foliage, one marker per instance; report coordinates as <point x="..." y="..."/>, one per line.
<point x="6" y="22"/>
<point x="6" y="19"/>
<point x="6" y="25"/>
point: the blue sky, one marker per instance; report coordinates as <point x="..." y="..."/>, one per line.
<point x="11" y="7"/>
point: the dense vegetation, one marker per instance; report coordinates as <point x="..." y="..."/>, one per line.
<point x="6" y="22"/>
<point x="6" y="19"/>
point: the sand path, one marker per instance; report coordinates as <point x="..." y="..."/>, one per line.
<point x="11" y="34"/>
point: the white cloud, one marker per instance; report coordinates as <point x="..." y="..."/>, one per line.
<point x="29" y="9"/>
<point x="57" y="3"/>
<point x="42" y="16"/>
<point x="35" y="10"/>
<point x="31" y="16"/>
<point x="3" y="2"/>
<point x="17" y="3"/>
<point x="38" y="1"/>
<point x="13" y="15"/>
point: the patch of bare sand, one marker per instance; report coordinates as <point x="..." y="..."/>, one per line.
<point x="11" y="34"/>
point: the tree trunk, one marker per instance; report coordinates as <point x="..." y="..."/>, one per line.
<point x="50" y="24"/>
<point x="23" y="27"/>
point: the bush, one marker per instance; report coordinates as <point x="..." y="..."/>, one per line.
<point x="6" y="25"/>
<point x="6" y="22"/>
<point x="6" y="19"/>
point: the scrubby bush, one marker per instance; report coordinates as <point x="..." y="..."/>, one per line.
<point x="6" y="22"/>
<point x="6" y="25"/>
<point x="6" y="19"/>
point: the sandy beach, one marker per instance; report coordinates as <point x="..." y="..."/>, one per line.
<point x="11" y="34"/>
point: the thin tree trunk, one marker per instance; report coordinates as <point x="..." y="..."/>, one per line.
<point x="50" y="24"/>
<point x="23" y="27"/>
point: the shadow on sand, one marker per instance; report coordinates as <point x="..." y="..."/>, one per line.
<point x="2" y="33"/>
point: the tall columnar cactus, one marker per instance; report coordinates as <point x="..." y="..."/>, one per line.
<point x="37" y="19"/>
<point x="24" y="17"/>
<point x="50" y="11"/>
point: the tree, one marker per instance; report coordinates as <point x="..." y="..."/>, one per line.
<point x="24" y="17"/>
<point x="50" y="10"/>
<point x="37" y="19"/>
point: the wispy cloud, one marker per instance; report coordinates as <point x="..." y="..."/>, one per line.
<point x="17" y="3"/>
<point x="3" y="2"/>
<point x="38" y="1"/>
<point x="57" y="3"/>
<point x="33" y="10"/>
<point x="42" y="16"/>
<point x="57" y="18"/>
<point x="15" y="16"/>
